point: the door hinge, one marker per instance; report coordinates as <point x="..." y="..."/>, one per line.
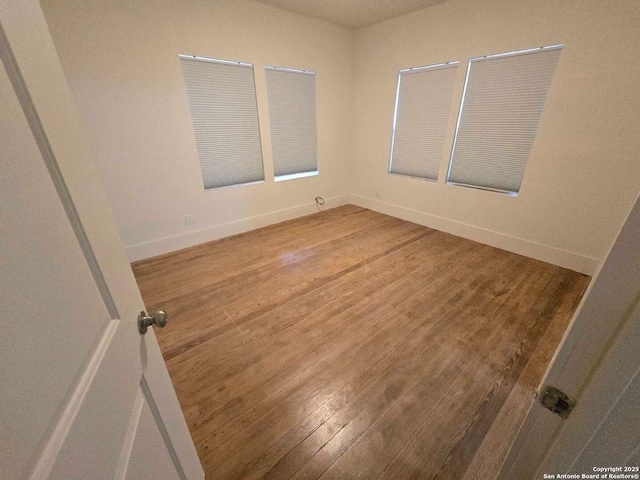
<point x="557" y="401"/>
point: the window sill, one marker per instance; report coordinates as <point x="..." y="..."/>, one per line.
<point x="291" y="176"/>
<point x="485" y="189"/>
<point x="233" y="185"/>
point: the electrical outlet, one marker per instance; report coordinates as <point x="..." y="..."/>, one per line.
<point x="189" y="219"/>
<point x="377" y="193"/>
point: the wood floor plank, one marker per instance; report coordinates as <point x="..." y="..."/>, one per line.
<point x="350" y="344"/>
<point x="388" y="300"/>
<point x="447" y="407"/>
<point x="493" y="450"/>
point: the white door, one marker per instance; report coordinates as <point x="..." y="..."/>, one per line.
<point x="605" y="430"/>
<point x="83" y="395"/>
<point x="597" y="364"/>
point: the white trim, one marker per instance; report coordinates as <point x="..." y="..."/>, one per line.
<point x="405" y="71"/>
<point x="488" y="189"/>
<point x="129" y="438"/>
<point x="413" y="177"/>
<point x="215" y="60"/>
<point x="291" y="70"/>
<point x="291" y="176"/>
<point x="556" y="256"/>
<point x="189" y="239"/>
<point x="55" y="442"/>
<point x="517" y="52"/>
<point x="395" y="120"/>
<point x="455" y="135"/>
<point x="233" y="185"/>
<point x="162" y="427"/>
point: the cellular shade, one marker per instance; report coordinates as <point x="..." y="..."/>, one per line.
<point x="292" y="114"/>
<point x="502" y="104"/>
<point x="423" y="105"/>
<point x="222" y="101"/>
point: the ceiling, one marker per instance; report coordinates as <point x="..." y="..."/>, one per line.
<point x="352" y="13"/>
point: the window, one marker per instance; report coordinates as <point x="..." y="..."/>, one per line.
<point x="292" y="115"/>
<point x="222" y="101"/>
<point x="423" y="105"/>
<point x="503" y="99"/>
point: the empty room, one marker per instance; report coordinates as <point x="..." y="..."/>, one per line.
<point x="320" y="239"/>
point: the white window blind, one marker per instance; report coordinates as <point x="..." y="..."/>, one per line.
<point x="501" y="106"/>
<point x="222" y="101"/>
<point x="292" y="115"/>
<point x="423" y="105"/>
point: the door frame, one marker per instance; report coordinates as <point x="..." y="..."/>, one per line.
<point x="608" y="302"/>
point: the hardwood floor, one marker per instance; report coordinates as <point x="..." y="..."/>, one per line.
<point x="350" y="344"/>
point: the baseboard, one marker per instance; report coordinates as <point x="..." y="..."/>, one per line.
<point x="545" y="253"/>
<point x="196" y="237"/>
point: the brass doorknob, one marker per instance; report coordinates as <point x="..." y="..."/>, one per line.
<point x="159" y="319"/>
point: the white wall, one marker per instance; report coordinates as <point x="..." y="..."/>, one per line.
<point x="121" y="63"/>
<point x="584" y="168"/>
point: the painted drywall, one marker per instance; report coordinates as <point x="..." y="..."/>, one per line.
<point x="121" y="63"/>
<point x="584" y="168"/>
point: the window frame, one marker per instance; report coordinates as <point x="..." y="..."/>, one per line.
<point x="437" y="66"/>
<point x="557" y="46"/>
<point x="297" y="175"/>
<point x="199" y="58"/>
